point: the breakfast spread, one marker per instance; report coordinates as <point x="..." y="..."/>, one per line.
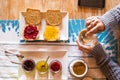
<point x="34" y="20"/>
<point x="45" y="26"/>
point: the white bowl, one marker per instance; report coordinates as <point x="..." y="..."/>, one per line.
<point x="86" y="40"/>
<point x="72" y="71"/>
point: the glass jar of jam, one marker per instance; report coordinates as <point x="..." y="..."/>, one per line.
<point x="42" y="67"/>
<point x="28" y="64"/>
<point x="55" y="66"/>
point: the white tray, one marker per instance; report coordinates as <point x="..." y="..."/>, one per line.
<point x="42" y="55"/>
<point x="63" y="25"/>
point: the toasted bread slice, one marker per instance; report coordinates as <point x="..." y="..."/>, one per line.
<point x="32" y="16"/>
<point x="53" y="17"/>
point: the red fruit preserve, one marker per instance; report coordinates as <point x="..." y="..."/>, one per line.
<point x="55" y="66"/>
<point x="30" y="32"/>
<point x="28" y="64"/>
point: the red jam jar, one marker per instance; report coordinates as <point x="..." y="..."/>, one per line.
<point x="55" y="66"/>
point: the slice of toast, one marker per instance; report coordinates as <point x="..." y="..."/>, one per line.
<point x="32" y="16"/>
<point x="53" y="17"/>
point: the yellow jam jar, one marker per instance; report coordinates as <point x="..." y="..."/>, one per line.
<point x="42" y="67"/>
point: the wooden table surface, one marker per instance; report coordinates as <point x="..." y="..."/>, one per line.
<point x="10" y="9"/>
<point x="9" y="71"/>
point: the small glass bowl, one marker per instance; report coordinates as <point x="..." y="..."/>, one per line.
<point x="42" y="67"/>
<point x="55" y="66"/>
<point x="28" y="64"/>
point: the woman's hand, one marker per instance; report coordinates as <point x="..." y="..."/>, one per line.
<point x="86" y="48"/>
<point x="94" y="25"/>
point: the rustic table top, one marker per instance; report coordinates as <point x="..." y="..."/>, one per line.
<point x="9" y="71"/>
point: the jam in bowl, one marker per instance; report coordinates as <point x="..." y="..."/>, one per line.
<point x="42" y="67"/>
<point x="28" y="64"/>
<point x="55" y="66"/>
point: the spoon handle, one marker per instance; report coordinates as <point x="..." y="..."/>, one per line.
<point x="16" y="63"/>
<point x="47" y="59"/>
<point x="8" y="53"/>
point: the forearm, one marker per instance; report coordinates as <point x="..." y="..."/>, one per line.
<point x="112" y="17"/>
<point x="110" y="69"/>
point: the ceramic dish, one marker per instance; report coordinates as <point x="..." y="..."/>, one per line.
<point x="78" y="68"/>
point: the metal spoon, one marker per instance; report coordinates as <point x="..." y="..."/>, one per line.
<point x="43" y="66"/>
<point x="18" y="55"/>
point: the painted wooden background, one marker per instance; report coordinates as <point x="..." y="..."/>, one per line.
<point x="10" y="9"/>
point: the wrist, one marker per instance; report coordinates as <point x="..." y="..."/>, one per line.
<point x="108" y="20"/>
<point x="98" y="53"/>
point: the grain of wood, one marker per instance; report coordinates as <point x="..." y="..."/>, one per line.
<point x="10" y="9"/>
